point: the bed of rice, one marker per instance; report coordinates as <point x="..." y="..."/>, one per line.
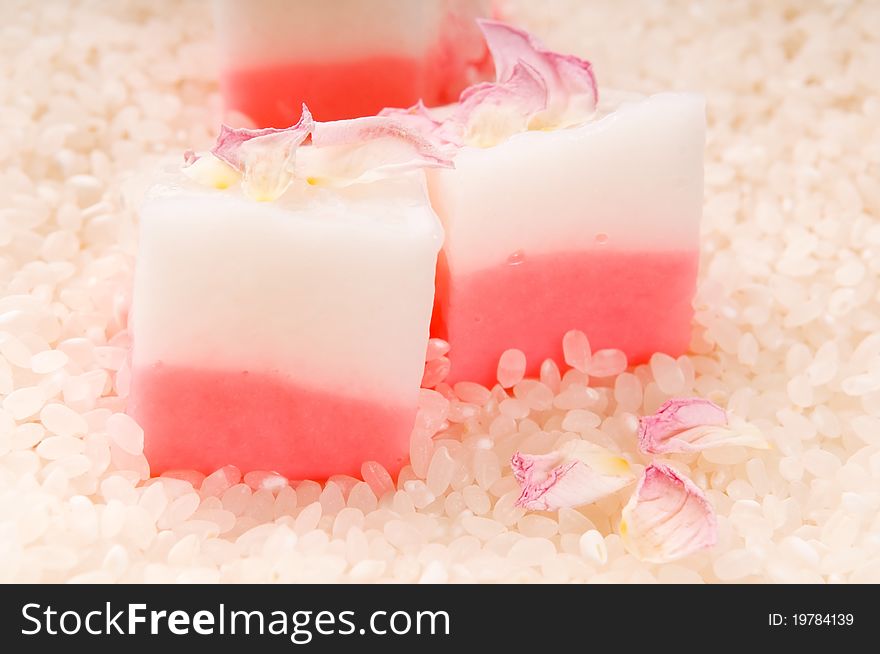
<point x="786" y="331"/>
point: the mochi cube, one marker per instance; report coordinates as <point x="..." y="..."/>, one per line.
<point x="345" y="58"/>
<point x="593" y="227"/>
<point x="286" y="335"/>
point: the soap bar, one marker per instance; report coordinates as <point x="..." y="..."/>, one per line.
<point x="284" y="335"/>
<point x="594" y="227"/>
<point x="562" y="212"/>
<point x="345" y="58"/>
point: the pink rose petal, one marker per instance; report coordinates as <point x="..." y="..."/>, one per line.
<point x="491" y="112"/>
<point x="208" y="170"/>
<point x="578" y="473"/>
<point x="667" y="518"/>
<point x="422" y="120"/>
<point x="534" y="88"/>
<point x="693" y="425"/>
<point x="231" y="139"/>
<point x="571" y="86"/>
<point x="358" y="131"/>
<point x="264" y="157"/>
<point x="366" y="149"/>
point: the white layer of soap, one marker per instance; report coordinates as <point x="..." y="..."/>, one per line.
<point x="631" y="179"/>
<point x="259" y="32"/>
<point x="333" y="287"/>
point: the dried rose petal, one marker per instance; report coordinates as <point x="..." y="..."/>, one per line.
<point x="492" y="112"/>
<point x="692" y="425"/>
<point x="366" y="149"/>
<point x="569" y="80"/>
<point x="265" y="157"/>
<point x="576" y="474"/>
<point x="534" y="88"/>
<point x="208" y="170"/>
<point x="667" y="518"/>
<point x="231" y="139"/>
<point x="417" y="117"/>
<point x="422" y="120"/>
<point x="268" y="166"/>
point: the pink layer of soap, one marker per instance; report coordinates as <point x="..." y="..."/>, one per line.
<point x="639" y="302"/>
<point x="272" y="95"/>
<point x="204" y="419"/>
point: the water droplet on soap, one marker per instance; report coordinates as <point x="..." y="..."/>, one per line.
<point x="516" y="258"/>
<point x="601" y="238"/>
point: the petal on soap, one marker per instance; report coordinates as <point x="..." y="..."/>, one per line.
<point x="491" y="112"/>
<point x="208" y="170"/>
<point x="366" y="149"/>
<point x="692" y="425"/>
<point x="232" y="139"/>
<point x="576" y="474"/>
<point x="571" y="86"/>
<point x="422" y="120"/>
<point x="667" y="518"/>
<point x="268" y="166"/>
<point x="264" y="157"/>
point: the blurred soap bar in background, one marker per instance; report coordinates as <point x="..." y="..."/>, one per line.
<point x="345" y="58"/>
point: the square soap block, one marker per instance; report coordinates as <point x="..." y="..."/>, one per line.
<point x="594" y="227"/>
<point x="345" y="58"/>
<point x="286" y="336"/>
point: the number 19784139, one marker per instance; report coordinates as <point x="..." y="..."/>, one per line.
<point x="810" y="620"/>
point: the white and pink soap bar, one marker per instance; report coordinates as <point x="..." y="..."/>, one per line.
<point x="345" y="58"/>
<point x="563" y="213"/>
<point x="594" y="227"/>
<point x="285" y="335"/>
